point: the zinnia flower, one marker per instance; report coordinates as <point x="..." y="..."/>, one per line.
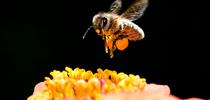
<point x="79" y="84"/>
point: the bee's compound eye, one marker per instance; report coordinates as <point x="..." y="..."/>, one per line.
<point x="104" y="20"/>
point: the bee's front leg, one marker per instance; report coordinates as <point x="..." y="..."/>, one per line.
<point x="106" y="45"/>
<point x="106" y="49"/>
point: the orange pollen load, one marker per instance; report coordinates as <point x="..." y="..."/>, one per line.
<point x="122" y="44"/>
<point x="109" y="43"/>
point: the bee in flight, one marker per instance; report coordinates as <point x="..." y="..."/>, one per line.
<point x="118" y="29"/>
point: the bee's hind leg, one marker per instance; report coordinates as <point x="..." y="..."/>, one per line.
<point x="112" y="51"/>
<point x="111" y="55"/>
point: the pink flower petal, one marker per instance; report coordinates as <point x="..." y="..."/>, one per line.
<point x="39" y="87"/>
<point x="157" y="89"/>
<point x="194" y="99"/>
<point x="151" y="92"/>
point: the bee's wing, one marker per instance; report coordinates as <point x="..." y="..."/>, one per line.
<point x="116" y="6"/>
<point x="132" y="31"/>
<point x="136" y="10"/>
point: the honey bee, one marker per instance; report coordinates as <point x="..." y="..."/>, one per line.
<point x="118" y="29"/>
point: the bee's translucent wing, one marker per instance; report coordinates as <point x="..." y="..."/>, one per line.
<point x="116" y="6"/>
<point x="136" y="10"/>
<point x="131" y="31"/>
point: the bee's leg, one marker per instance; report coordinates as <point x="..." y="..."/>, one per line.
<point x="106" y="49"/>
<point x="106" y="46"/>
<point x="111" y="54"/>
<point x="112" y="51"/>
<point x="103" y="37"/>
<point x="114" y="48"/>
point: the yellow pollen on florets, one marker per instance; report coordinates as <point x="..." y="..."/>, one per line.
<point x="77" y="84"/>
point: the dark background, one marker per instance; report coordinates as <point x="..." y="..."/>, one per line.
<point x="39" y="36"/>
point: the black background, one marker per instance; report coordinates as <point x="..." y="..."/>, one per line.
<point x="40" y="36"/>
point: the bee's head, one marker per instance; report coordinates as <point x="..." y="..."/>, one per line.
<point x="100" y="22"/>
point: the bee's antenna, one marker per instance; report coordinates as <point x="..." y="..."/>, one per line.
<point x="87" y="31"/>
